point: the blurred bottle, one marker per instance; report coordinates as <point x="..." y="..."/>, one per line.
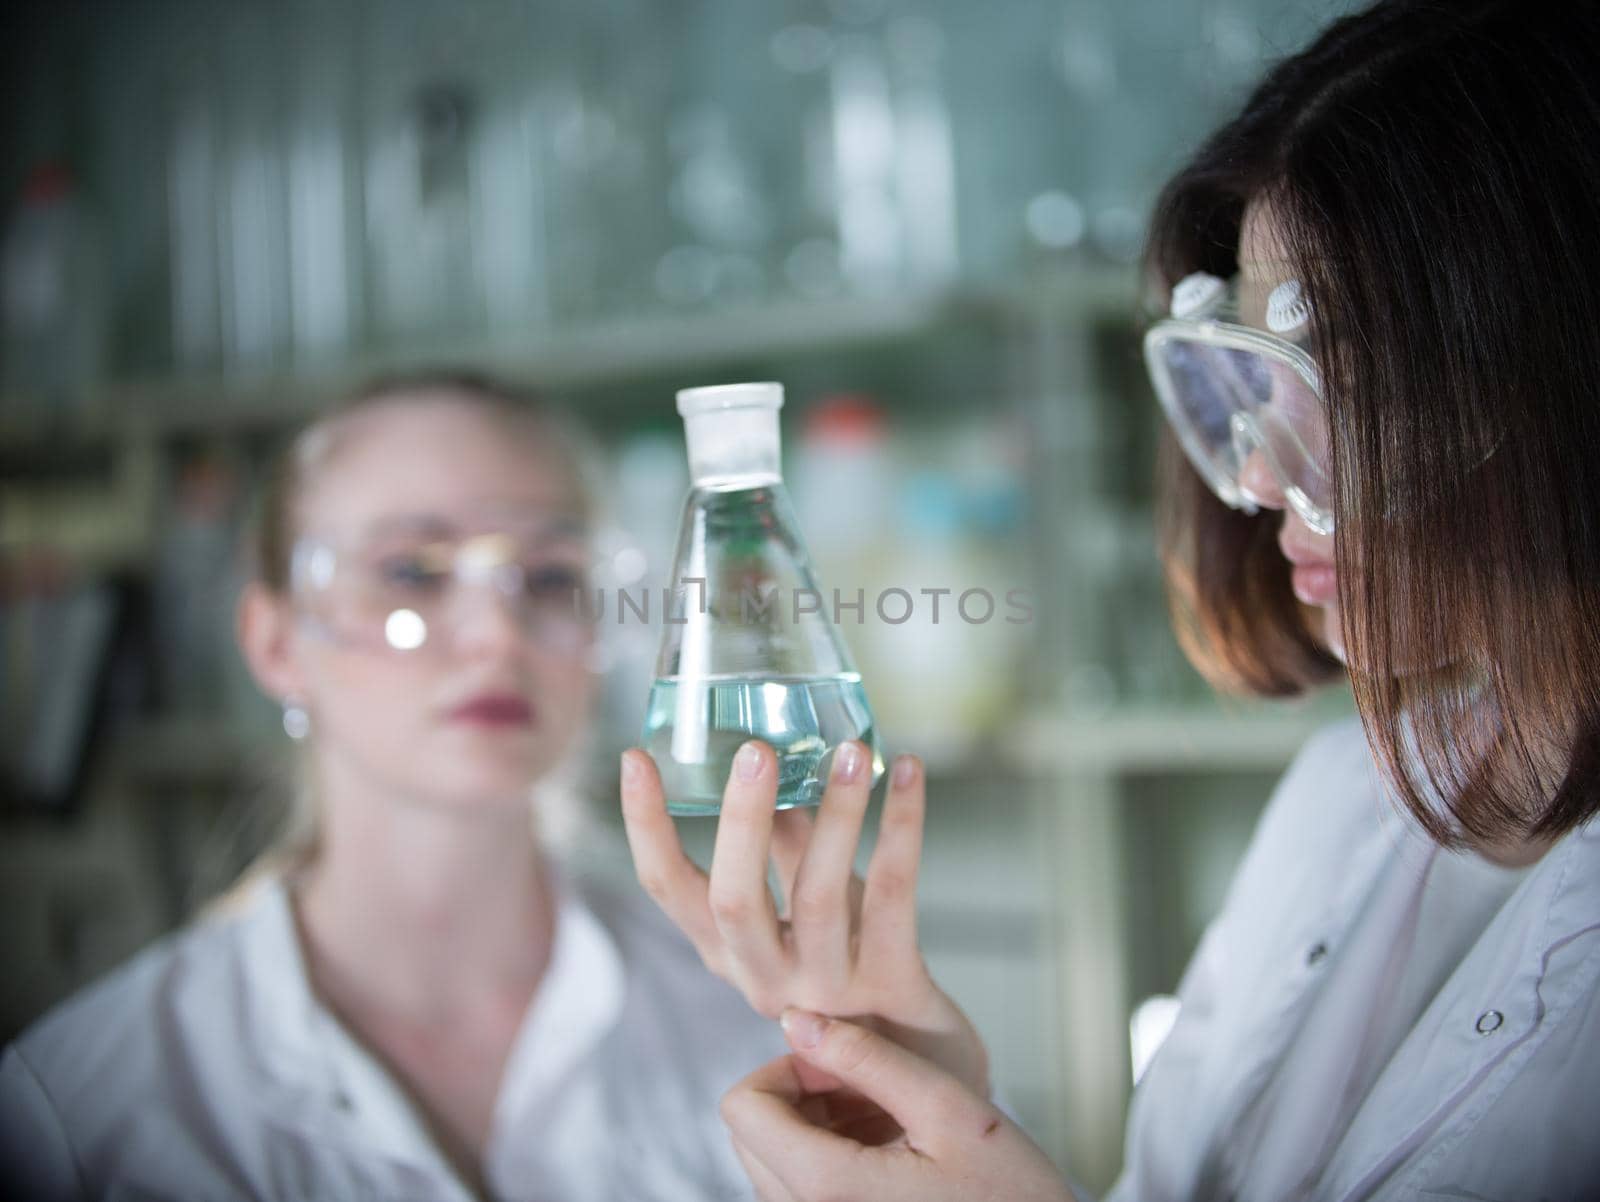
<point x="426" y="274"/>
<point x="637" y="556"/>
<point x="323" y="183"/>
<point x="923" y="657"/>
<point x="842" y="468"/>
<point x="718" y="200"/>
<point x="195" y="583"/>
<point x="868" y="201"/>
<point x="844" y="471"/>
<point x="991" y="471"/>
<point x="52" y="294"/>
<point x="924" y="151"/>
<point x="946" y="640"/>
<point x="253" y="216"/>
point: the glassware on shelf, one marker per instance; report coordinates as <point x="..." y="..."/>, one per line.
<point x="749" y="649"/>
<point x="195" y="581"/>
<point x="602" y="110"/>
<point x="423" y="109"/>
<point x="53" y="300"/>
<point x="195" y="192"/>
<point x="322" y="184"/>
<point x="425" y="276"/>
<point x="717" y="199"/>
<point x="253" y="208"/>
<point x="636" y="552"/>
<point x="924" y="166"/>
<point x="872" y="206"/>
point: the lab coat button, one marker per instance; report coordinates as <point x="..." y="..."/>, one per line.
<point x="1490" y="1020"/>
<point x="1318" y="952"/>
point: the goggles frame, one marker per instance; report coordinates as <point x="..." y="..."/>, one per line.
<point x="1206" y="314"/>
<point x="482" y="559"/>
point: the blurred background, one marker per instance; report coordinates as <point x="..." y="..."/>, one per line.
<point x="920" y="215"/>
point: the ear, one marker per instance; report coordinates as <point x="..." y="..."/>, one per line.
<point x="264" y="626"/>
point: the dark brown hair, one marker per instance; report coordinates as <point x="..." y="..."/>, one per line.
<point x="1434" y="170"/>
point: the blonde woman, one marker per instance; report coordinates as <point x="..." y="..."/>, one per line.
<point x="411" y="1001"/>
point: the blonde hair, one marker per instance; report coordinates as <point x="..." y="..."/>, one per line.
<point x="275" y="528"/>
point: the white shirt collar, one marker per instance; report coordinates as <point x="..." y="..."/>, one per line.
<point x="305" y="1049"/>
<point x="579" y="1001"/>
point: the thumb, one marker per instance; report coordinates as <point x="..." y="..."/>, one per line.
<point x="928" y="1103"/>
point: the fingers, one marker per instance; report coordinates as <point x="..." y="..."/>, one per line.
<point x="791" y="834"/>
<point x="821" y="914"/>
<point x="764" y="1116"/>
<point x="741" y="905"/>
<point x="668" y="875"/>
<point x="768" y="1187"/>
<point x="813" y="1079"/>
<point x="889" y="905"/>
<point x="934" y="1108"/>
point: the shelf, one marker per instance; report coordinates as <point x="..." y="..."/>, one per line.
<point x="1250" y="736"/>
<point x="585" y="356"/>
<point x="54" y="450"/>
<point x="188" y="751"/>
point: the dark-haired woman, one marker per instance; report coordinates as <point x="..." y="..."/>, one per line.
<point x="1382" y="366"/>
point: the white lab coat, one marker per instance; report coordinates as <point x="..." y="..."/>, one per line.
<point x="206" y="1069"/>
<point x="1494" y="1093"/>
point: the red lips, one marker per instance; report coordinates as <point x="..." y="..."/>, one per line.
<point x="494" y="709"/>
<point x="1315" y="583"/>
<point x="1313" y="577"/>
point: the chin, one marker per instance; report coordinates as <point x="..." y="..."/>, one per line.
<point x="484" y="783"/>
<point x="1332" y="636"/>
<point x="486" y="795"/>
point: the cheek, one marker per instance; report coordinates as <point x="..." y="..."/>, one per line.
<point x="383" y="713"/>
<point x="565" y="690"/>
<point x="374" y="706"/>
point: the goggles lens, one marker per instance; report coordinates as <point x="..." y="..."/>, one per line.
<point x="409" y="588"/>
<point x="1242" y="400"/>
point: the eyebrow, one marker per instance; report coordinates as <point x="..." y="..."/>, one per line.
<point x="425" y="524"/>
<point x="552" y="527"/>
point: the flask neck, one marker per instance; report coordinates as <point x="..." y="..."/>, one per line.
<point x="733" y="448"/>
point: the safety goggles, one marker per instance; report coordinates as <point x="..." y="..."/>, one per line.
<point x="418" y="581"/>
<point x="1233" y="370"/>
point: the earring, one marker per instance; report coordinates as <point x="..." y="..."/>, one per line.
<point x="296" y="722"/>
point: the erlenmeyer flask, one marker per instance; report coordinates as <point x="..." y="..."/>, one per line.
<point x="748" y="647"/>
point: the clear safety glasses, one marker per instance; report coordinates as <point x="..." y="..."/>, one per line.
<point x="416" y="582"/>
<point x="1233" y="370"/>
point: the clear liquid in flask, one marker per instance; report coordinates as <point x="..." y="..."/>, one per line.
<point x="693" y="728"/>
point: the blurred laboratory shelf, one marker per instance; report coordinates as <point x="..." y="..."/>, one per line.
<point x="61" y="446"/>
<point x="580" y="357"/>
<point x="1199" y="735"/>
<point x="189" y="751"/>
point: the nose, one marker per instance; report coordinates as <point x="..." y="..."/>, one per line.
<point x="1259" y="482"/>
<point x="487" y="620"/>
